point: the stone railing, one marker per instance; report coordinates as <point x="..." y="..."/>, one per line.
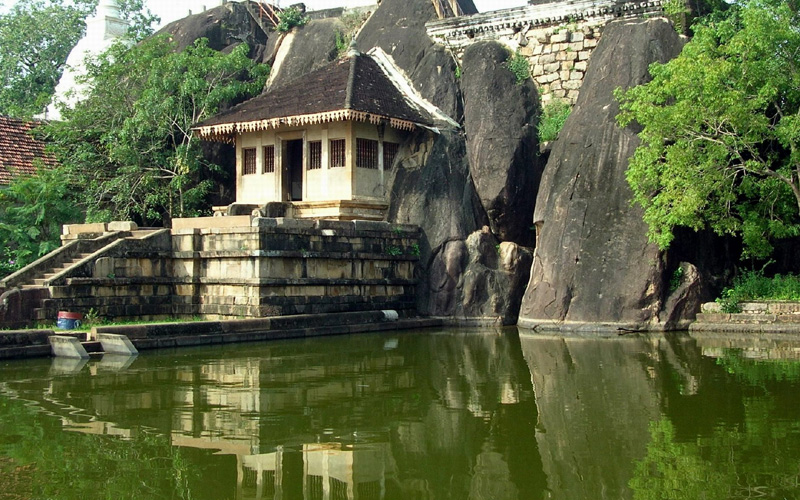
<point x="557" y="38"/>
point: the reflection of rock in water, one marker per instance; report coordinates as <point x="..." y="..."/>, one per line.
<point x="595" y="399"/>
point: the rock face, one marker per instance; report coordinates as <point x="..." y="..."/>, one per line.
<point x="500" y="118"/>
<point x="434" y="184"/>
<point x="224" y="26"/>
<point x="305" y="49"/>
<point x="593" y="263"/>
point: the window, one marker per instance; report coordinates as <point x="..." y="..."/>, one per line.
<point x="337" y="153"/>
<point x="314" y="155"/>
<point x="269" y="159"/>
<point x="366" y="153"/>
<point x="249" y="166"/>
<point x="389" y="152"/>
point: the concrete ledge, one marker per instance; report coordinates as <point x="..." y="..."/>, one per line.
<point x="752" y="328"/>
<point x="170" y="335"/>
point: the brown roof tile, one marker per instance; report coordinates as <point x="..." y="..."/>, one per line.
<point x="19" y="149"/>
<point x="351" y="83"/>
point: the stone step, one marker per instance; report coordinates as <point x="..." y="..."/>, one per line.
<point x="747" y="318"/>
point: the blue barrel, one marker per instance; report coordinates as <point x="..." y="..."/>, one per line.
<point x="69" y="320"/>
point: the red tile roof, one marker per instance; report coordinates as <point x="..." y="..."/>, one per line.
<point x="19" y="149"/>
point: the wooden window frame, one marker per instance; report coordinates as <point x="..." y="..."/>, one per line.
<point x="269" y="159"/>
<point x="337" y="153"/>
<point x="366" y="153"/>
<point x="249" y="162"/>
<point x="390" y="150"/>
<point x="314" y="155"/>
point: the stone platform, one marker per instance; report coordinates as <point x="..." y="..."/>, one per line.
<point x="755" y="317"/>
<point x="226" y="268"/>
<point x="34" y="343"/>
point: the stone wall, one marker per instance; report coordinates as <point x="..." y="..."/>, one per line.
<point x="267" y="267"/>
<point x="557" y="38"/>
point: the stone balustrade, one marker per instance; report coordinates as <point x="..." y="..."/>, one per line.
<point x="557" y="38"/>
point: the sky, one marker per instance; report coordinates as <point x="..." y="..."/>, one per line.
<point x="170" y="10"/>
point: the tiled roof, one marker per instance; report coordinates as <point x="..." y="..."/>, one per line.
<point x="19" y="149"/>
<point x="354" y="84"/>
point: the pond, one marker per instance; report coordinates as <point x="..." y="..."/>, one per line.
<point x="442" y="414"/>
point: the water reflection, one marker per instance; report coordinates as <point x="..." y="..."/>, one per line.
<point x="441" y="415"/>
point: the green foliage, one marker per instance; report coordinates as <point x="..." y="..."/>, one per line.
<point x="32" y="210"/>
<point x="554" y="115"/>
<point x="753" y="285"/>
<point x="415" y="251"/>
<point x="36" y="37"/>
<point x="289" y="18"/>
<point x="139" y="18"/>
<point x="352" y="22"/>
<point x="128" y="146"/>
<point x="676" y="279"/>
<point x="721" y="131"/>
<point x="758" y="372"/>
<point x="519" y="65"/>
<point x="394" y="250"/>
<point x="676" y="12"/>
<point x="73" y="465"/>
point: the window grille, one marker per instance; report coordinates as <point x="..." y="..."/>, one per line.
<point x="337" y="153"/>
<point x="389" y="152"/>
<point x="314" y="155"/>
<point x="269" y="159"/>
<point x="366" y="153"/>
<point x="249" y="155"/>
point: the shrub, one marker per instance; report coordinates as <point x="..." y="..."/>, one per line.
<point x="519" y="65"/>
<point x="289" y="18"/>
<point x="554" y="115"/>
<point x="753" y="285"/>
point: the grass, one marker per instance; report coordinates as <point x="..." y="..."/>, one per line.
<point x="87" y="325"/>
<point x="753" y="285"/>
<point x="554" y="115"/>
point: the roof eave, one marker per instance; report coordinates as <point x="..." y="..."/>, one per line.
<point x="226" y="132"/>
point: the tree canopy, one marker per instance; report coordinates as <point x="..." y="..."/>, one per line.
<point x="128" y="146"/>
<point x="37" y="36"/>
<point x="720" y="130"/>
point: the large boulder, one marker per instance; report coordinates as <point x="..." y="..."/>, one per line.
<point x="398" y="27"/>
<point x="500" y="118"/>
<point x="434" y="185"/>
<point x="593" y="263"/>
<point x="431" y="187"/>
<point x="224" y="26"/>
<point x="305" y="49"/>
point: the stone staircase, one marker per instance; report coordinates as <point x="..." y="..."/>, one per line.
<point x="761" y="317"/>
<point x="46" y="275"/>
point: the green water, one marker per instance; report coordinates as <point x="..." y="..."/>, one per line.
<point x="478" y="415"/>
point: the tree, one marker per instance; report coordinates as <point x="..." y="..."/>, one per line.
<point x="32" y="210"/>
<point x="128" y="146"/>
<point x="36" y="38"/>
<point x="721" y="130"/>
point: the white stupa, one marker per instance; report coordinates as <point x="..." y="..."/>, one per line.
<point x="101" y="30"/>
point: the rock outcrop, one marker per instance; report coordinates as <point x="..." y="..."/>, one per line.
<point x="224" y="26"/>
<point x="434" y="181"/>
<point x="305" y="49"/>
<point x="593" y="263"/>
<point x="500" y="118"/>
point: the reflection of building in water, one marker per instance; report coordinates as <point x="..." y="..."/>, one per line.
<point x="331" y="420"/>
